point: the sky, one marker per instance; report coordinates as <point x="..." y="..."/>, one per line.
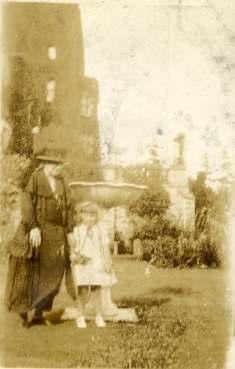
<point x="163" y="67"/>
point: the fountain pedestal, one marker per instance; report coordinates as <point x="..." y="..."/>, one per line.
<point x="109" y="308"/>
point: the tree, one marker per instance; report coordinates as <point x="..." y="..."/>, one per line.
<point x="208" y="203"/>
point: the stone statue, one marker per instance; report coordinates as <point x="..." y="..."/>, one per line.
<point x="180" y="156"/>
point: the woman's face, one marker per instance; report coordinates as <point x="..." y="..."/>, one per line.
<point x="53" y="169"/>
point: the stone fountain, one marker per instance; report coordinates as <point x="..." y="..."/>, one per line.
<point x="106" y="195"/>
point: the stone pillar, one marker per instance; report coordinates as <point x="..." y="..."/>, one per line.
<point x="180" y="141"/>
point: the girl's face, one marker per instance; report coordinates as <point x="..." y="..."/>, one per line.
<point x="89" y="218"/>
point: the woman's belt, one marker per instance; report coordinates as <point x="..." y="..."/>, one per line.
<point x="55" y="222"/>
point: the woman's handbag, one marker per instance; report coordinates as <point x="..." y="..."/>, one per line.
<point x="20" y="246"/>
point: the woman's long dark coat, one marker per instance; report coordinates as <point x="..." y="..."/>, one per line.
<point x="32" y="274"/>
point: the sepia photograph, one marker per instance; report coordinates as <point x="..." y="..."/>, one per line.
<point x="117" y="184"/>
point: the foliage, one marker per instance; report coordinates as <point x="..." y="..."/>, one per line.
<point x="15" y="173"/>
<point x="155" y="227"/>
<point x="16" y="170"/>
<point x="183" y="252"/>
<point x="168" y="245"/>
<point x="119" y="239"/>
<point x="149" y="174"/>
<point x="25" y="104"/>
<point x="151" y="204"/>
<point x="156" y="199"/>
<point x="209" y="205"/>
<point x="75" y="171"/>
<point x="203" y="194"/>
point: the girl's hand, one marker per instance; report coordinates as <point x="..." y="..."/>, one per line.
<point x="82" y="259"/>
<point x="73" y="257"/>
<point x="79" y="258"/>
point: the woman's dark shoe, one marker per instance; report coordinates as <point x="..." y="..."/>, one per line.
<point x="25" y="324"/>
<point x="24" y="320"/>
<point x="37" y="320"/>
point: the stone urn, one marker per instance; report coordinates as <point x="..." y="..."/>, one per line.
<point x="106" y="195"/>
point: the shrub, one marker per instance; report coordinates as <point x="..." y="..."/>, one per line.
<point x="157" y="226"/>
<point x="163" y="251"/>
<point x="151" y="204"/>
<point x="208" y="251"/>
<point x="169" y="245"/>
<point x="185" y="251"/>
<point x="156" y="199"/>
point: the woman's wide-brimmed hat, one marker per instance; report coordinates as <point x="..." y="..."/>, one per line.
<point x="51" y="156"/>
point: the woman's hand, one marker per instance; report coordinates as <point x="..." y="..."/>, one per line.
<point x="36" y="130"/>
<point x="35" y="237"/>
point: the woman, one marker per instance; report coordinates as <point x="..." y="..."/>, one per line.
<point x="35" y="275"/>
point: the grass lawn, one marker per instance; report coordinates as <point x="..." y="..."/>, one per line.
<point x="184" y="324"/>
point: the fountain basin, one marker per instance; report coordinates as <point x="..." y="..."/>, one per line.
<point x="106" y="194"/>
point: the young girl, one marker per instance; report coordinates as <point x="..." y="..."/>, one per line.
<point x="92" y="263"/>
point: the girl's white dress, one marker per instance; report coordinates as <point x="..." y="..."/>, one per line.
<point x="94" y="244"/>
